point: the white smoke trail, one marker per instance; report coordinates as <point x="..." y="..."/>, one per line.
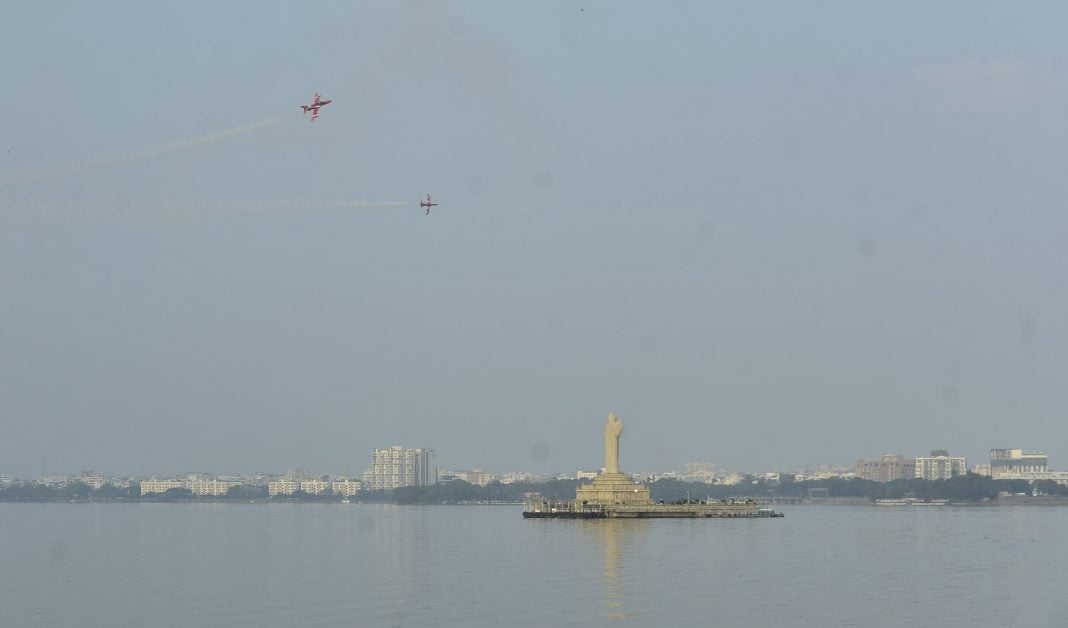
<point x="351" y="204"/>
<point x="204" y="207"/>
<point x="95" y="163"/>
<point x="210" y="138"/>
<point x="124" y="208"/>
<point x="298" y="205"/>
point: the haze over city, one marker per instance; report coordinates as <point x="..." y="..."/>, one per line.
<point x="766" y="239"/>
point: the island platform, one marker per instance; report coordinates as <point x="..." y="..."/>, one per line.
<point x="616" y="495"/>
<point x="536" y="507"/>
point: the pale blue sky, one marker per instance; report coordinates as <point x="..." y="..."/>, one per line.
<point x="765" y="235"/>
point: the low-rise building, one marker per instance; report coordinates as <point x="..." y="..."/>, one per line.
<point x="825" y="472"/>
<point x="732" y="479"/>
<point x="282" y="487"/>
<point x="516" y="476"/>
<point x="51" y="481"/>
<point x="213" y="487"/>
<point x="345" y="487"/>
<point x="199" y="485"/>
<point x="1060" y="477"/>
<point x="149" y="487"/>
<point x="92" y="479"/>
<point x="1016" y="461"/>
<point x="477" y="477"/>
<point x="315" y="487"/>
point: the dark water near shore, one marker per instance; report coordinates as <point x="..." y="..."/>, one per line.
<point x="271" y="565"/>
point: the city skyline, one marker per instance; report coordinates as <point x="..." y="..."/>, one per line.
<point x="767" y="244"/>
<point x="681" y="468"/>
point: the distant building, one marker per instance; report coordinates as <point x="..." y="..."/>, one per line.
<point x="53" y="481"/>
<point x="6" y="480"/>
<point x="396" y="467"/>
<point x="585" y="475"/>
<point x="823" y="472"/>
<point x="887" y="468"/>
<point x="940" y="466"/>
<point x="841" y="471"/>
<point x="282" y="487"/>
<point x="732" y="479"/>
<point x="210" y="487"/>
<point x="981" y="469"/>
<point x="149" y="487"/>
<point x="345" y="487"/>
<point x="300" y="475"/>
<point x="1016" y="461"/>
<point x="1017" y="464"/>
<point x="477" y="477"/>
<point x="315" y="487"/>
<point x="92" y="479"/>
<point x="699" y="472"/>
<point x="700" y="468"/>
<point x="199" y="486"/>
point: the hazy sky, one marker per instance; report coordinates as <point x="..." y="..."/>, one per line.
<point x="764" y="234"/>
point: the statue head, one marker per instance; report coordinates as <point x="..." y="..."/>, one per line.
<point x="612" y="417"/>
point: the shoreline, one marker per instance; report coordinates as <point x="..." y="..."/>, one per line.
<point x="1042" y="502"/>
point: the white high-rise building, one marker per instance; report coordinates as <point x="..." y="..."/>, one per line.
<point x="396" y="467"/>
<point x="940" y="466"/>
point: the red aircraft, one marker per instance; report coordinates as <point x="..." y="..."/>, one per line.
<point x="314" y="107"/>
<point x="427" y="204"/>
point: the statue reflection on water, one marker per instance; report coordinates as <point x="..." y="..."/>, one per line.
<point x="613" y="537"/>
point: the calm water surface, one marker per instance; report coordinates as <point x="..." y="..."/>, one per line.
<point x="271" y="565"/>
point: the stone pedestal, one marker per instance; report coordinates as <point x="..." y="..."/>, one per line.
<point x="613" y="488"/>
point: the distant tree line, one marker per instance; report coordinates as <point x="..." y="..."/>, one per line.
<point x="79" y="492"/>
<point x="74" y="491"/>
<point x="458" y="491"/>
<point x="964" y="488"/>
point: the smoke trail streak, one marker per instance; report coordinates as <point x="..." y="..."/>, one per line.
<point x="299" y="205"/>
<point x="358" y="204"/>
<point x="95" y="163"/>
<point x="195" y="209"/>
<point x="205" y="207"/>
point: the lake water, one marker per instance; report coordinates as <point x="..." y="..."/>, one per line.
<point x="268" y="565"/>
